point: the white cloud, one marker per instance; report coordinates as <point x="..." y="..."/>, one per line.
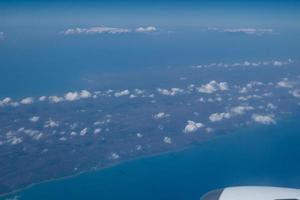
<point x="55" y="99"/>
<point x="192" y="126"/>
<point x="285" y="83"/>
<point x="161" y="115"/>
<point x="15" y="140"/>
<point x="1" y="35"/>
<point x="5" y="101"/>
<point x="247" y="31"/>
<point x="27" y="100"/>
<point x="96" y="30"/>
<point x="139" y="135"/>
<point x="42" y="98"/>
<point x="239" y="110"/>
<point x="295" y="93"/>
<point x="212" y="87"/>
<point x="246" y="63"/>
<point x="83" y="132"/>
<point x="74" y="96"/>
<point x="219" y="116"/>
<point x="107" y="30"/>
<point x="167" y="140"/>
<point x="114" y="156"/>
<point x="85" y="94"/>
<point x="122" y="93"/>
<point x="51" y="124"/>
<point x="264" y="119"/>
<point x="171" y="92"/>
<point x="71" y="96"/>
<point x="97" y="130"/>
<point x="34" y="119"/>
<point x="146" y="29"/>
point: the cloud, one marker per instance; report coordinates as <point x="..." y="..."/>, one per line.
<point x="97" y="130"/>
<point x="192" y="126"/>
<point x="247" y="31"/>
<point x="246" y="63"/>
<point x="219" y="116"/>
<point x="55" y="99"/>
<point x="96" y="30"/>
<point x="72" y="96"/>
<point x="295" y="93"/>
<point x="285" y="83"/>
<point x="34" y="119"/>
<point x="239" y="110"/>
<point x="85" y="94"/>
<point x="264" y="119"/>
<point x="146" y="29"/>
<point x="5" y="101"/>
<point x="234" y="111"/>
<point x="1" y="35"/>
<point x="212" y="87"/>
<point x="107" y="30"/>
<point x="42" y="98"/>
<point x="161" y="115"/>
<point x="51" y="124"/>
<point x="15" y="140"/>
<point x="167" y="140"/>
<point x="171" y="92"/>
<point x="83" y="132"/>
<point x="27" y="100"/>
<point x="122" y="93"/>
<point x="114" y="156"/>
<point x="139" y="135"/>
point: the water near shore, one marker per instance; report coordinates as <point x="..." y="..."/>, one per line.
<point x="261" y="156"/>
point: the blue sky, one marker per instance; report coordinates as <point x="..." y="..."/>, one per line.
<point x="168" y="13"/>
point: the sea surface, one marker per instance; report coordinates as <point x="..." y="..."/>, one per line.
<point x="266" y="155"/>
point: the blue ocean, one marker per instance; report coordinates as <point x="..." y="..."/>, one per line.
<point x="260" y="156"/>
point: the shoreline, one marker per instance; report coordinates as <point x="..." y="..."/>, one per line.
<point x="181" y="149"/>
<point x="103" y="168"/>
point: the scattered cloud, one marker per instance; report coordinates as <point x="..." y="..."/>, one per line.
<point x="122" y="93"/>
<point x="295" y="93"/>
<point x="72" y="96"/>
<point x="239" y="110"/>
<point x="192" y="126"/>
<point x="1" y="35"/>
<point x="219" y="116"/>
<point x="246" y="63"/>
<point x="212" y="87"/>
<point x="167" y="140"/>
<point x="107" y="30"/>
<point x="247" y="31"/>
<point x="96" y="30"/>
<point x="114" y="156"/>
<point x="55" y="99"/>
<point x="27" y="100"/>
<point x="146" y="29"/>
<point x="97" y="130"/>
<point x="83" y="132"/>
<point x="171" y="92"/>
<point x="264" y="119"/>
<point x="285" y="83"/>
<point x="34" y="119"/>
<point x="161" y="115"/>
<point x="5" y="101"/>
<point x="51" y="124"/>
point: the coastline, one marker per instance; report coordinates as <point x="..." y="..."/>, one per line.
<point x="181" y="149"/>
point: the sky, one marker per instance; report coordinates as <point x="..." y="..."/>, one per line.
<point x="167" y="13"/>
<point x="52" y="40"/>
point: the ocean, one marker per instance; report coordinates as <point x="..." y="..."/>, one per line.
<point x="266" y="155"/>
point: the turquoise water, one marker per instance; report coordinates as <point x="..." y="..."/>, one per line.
<point x="261" y="156"/>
